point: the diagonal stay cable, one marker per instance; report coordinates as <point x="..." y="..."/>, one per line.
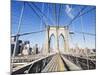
<point x="82" y="14"/>
<point x="85" y="33"/>
<point x="36" y="13"/>
<point x="76" y="15"/>
<point x="29" y="33"/>
<point x="86" y="12"/>
<point x="19" y="27"/>
<point x="42" y="14"/>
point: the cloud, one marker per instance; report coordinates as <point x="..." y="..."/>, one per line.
<point x="68" y="10"/>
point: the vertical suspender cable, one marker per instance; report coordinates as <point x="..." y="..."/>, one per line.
<point x="49" y="15"/>
<point x="59" y="13"/>
<point x="43" y="16"/>
<point x="55" y="16"/>
<point x="54" y="11"/>
<point x="41" y="13"/>
<point x="84" y="39"/>
<point x="77" y="15"/>
<point x="36" y="13"/>
<point x="19" y="27"/>
<point x="76" y="59"/>
<point x="60" y="7"/>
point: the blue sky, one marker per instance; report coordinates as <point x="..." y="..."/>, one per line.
<point x="31" y="22"/>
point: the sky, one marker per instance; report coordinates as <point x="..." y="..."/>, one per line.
<point x="31" y="22"/>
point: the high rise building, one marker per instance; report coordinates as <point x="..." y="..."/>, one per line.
<point x="26" y="49"/>
<point x="18" y="46"/>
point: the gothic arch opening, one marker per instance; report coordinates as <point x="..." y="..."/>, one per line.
<point x="61" y="43"/>
<point x="56" y="40"/>
<point x="52" y="43"/>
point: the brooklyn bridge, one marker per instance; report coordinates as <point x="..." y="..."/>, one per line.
<point x="50" y="59"/>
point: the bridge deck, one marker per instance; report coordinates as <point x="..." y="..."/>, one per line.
<point x="26" y="64"/>
<point x="70" y="65"/>
<point x="56" y="64"/>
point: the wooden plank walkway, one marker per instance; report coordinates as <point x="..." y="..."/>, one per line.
<point x="56" y="64"/>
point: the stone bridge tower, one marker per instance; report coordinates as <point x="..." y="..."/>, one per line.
<point x="56" y="31"/>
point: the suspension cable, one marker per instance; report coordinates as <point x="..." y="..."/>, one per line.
<point x="59" y="14"/>
<point x="86" y="12"/>
<point x="82" y="14"/>
<point x="19" y="27"/>
<point x="72" y="42"/>
<point x="85" y="33"/>
<point x="36" y="13"/>
<point x="84" y="39"/>
<point x="76" y="16"/>
<point x="55" y="14"/>
<point x="29" y="33"/>
<point x="42" y="14"/>
<point x="49" y="14"/>
<point x="42" y="17"/>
